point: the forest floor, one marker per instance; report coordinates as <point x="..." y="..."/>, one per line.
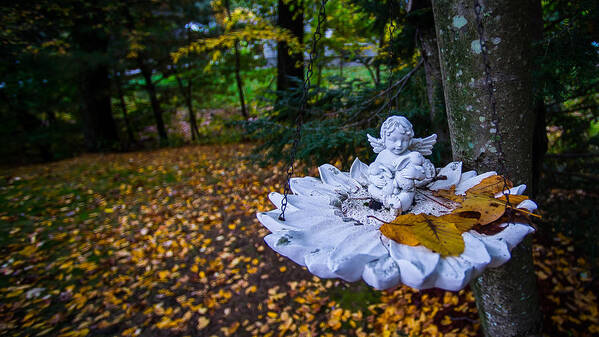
<point x="166" y="243"/>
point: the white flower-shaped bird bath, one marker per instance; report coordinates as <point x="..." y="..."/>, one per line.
<point x="332" y="228"/>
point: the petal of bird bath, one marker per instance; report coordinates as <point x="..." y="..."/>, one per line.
<point x="475" y="252"/>
<point x="514" y="233"/>
<point x="452" y="171"/>
<point x="300" y="221"/>
<point x="497" y="248"/>
<point x="317" y="262"/>
<point x="415" y="263"/>
<point x="454" y="272"/>
<point x="467" y="175"/>
<point x="357" y="249"/>
<point x="382" y="273"/>
<point x="359" y="172"/>
<point x="330" y="175"/>
<point x="303" y="203"/>
<point x="290" y="245"/>
<point x="310" y="186"/>
<point x="517" y="190"/>
<point x="528" y="204"/>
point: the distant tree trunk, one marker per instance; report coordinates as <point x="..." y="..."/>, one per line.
<point x="151" y="90"/>
<point x="244" y="112"/>
<point x="238" y="79"/>
<point x="99" y="127"/>
<point x="380" y="49"/>
<point x="421" y="13"/>
<point x="186" y="92"/>
<point x="290" y="17"/>
<point x="506" y="296"/>
<point x="341" y="59"/>
<point x="119" y="89"/>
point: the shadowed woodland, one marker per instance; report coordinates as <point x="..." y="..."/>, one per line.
<point x="140" y="139"/>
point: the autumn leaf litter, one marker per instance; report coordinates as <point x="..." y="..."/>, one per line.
<point x="165" y="243"/>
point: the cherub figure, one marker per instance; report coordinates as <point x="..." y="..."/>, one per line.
<point x="403" y="156"/>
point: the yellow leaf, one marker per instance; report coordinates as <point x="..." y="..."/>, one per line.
<point x="490" y="209"/>
<point x="463" y="221"/>
<point x="439" y="235"/>
<point x="514" y="199"/>
<point x="163" y="274"/>
<point x="399" y="231"/>
<point x="202" y="323"/>
<point x="449" y="194"/>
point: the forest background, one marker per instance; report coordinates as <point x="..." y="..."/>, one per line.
<point x="113" y="76"/>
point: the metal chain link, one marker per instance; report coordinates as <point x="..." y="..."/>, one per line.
<point x="303" y="103"/>
<point x="491" y="93"/>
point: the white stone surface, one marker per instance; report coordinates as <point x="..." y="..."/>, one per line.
<point x="336" y="241"/>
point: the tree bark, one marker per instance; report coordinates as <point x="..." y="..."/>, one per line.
<point x="119" y="90"/>
<point x="151" y="90"/>
<point x="507" y="296"/>
<point x="290" y="65"/>
<point x="239" y="81"/>
<point x="99" y="127"/>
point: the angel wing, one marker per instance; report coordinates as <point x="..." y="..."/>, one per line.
<point x="423" y="145"/>
<point x="377" y="143"/>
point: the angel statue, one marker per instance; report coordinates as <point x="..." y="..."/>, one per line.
<point x="400" y="165"/>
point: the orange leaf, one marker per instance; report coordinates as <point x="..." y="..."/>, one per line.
<point x="491" y="185"/>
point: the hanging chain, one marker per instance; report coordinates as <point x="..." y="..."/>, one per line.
<point x="302" y="108"/>
<point x="392" y="28"/>
<point x="491" y="93"/>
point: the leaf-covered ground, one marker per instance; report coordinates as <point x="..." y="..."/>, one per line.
<point x="166" y="243"/>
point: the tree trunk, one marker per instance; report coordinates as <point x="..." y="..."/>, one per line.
<point x="151" y="90"/>
<point x="507" y="296"/>
<point x="244" y="112"/>
<point x="119" y="89"/>
<point x="193" y="125"/>
<point x="99" y="127"/>
<point x="290" y="17"/>
<point x="422" y="16"/>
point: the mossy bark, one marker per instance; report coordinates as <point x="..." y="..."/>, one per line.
<point x="506" y="296"/>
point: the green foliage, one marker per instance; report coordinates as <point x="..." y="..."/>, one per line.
<point x="569" y="77"/>
<point x="338" y="119"/>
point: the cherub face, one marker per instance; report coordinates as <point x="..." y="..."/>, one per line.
<point x="397" y="142"/>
